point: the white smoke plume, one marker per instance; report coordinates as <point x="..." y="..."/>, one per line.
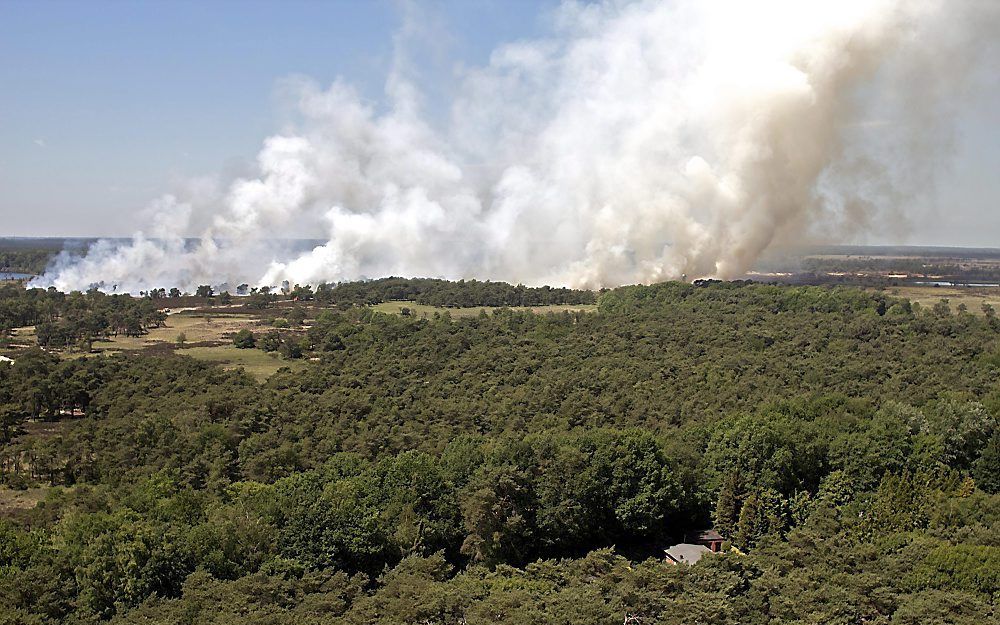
<point x="641" y="141"/>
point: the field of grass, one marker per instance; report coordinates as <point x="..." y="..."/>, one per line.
<point x="13" y="501"/>
<point x="206" y="334"/>
<point x="257" y="363"/>
<point x="420" y="310"/>
<point x="972" y="297"/>
<point x="196" y="327"/>
<point x="24" y="336"/>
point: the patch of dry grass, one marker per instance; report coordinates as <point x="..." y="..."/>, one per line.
<point x="196" y="327"/>
<point x="24" y="336"/>
<point x="13" y="501"/>
<point x="257" y="363"/>
<point x="972" y="297"/>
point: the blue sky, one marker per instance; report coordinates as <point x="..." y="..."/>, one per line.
<point x="106" y="105"/>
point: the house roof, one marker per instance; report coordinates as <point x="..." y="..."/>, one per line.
<point x="687" y="553"/>
<point x="706" y="535"/>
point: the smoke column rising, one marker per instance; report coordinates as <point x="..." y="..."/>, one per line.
<point x="639" y="142"/>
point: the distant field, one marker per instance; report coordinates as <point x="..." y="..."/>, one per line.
<point x="257" y="363"/>
<point x="420" y="310"/>
<point x="196" y="327"/>
<point x="200" y="328"/>
<point x="972" y="297"/>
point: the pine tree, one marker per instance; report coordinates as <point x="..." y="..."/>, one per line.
<point x="729" y="503"/>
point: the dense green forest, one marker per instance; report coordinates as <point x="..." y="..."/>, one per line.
<point x="449" y="294"/>
<point x="515" y="467"/>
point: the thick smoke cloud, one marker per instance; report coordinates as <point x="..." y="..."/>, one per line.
<point x="640" y="142"/>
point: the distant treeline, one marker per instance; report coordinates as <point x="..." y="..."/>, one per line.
<point x="460" y="294"/>
<point x="945" y="268"/>
<point x="33" y="255"/>
<point x="25" y="261"/>
<point x="902" y="251"/>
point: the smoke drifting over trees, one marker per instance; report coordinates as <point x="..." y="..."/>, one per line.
<point x="639" y="142"/>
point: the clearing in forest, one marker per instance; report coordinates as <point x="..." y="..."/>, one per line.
<point x="197" y="327"/>
<point x="259" y="364"/>
<point x="972" y="297"/>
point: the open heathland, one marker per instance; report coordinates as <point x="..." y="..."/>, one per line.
<point x="973" y="298"/>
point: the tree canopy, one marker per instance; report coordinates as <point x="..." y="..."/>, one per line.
<point x="516" y="467"/>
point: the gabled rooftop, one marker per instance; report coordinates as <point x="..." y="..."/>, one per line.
<point x="687" y="553"/>
<point x="705" y="536"/>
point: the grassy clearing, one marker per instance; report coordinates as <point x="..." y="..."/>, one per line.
<point x="972" y="297"/>
<point x="25" y="335"/>
<point x="196" y="327"/>
<point x="257" y="363"/>
<point x="421" y="310"/>
<point x="13" y="501"/>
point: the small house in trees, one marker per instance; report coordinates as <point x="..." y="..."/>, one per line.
<point x="686" y="553"/>
<point x="709" y="538"/>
